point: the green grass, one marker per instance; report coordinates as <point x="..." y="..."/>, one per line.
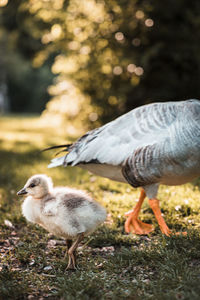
<point x="112" y="264"/>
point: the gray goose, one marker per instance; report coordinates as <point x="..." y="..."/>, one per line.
<point x="154" y="144"/>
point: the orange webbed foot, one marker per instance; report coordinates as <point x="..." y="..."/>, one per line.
<point x="154" y="204"/>
<point x="134" y="225"/>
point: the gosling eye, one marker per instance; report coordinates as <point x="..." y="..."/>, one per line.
<point x="32" y="185"/>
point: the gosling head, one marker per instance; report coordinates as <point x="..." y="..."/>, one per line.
<point x="37" y="186"/>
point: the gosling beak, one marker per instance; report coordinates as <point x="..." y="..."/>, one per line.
<point x="22" y="192"/>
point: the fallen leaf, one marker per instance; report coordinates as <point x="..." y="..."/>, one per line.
<point x="8" y="224"/>
<point x="47" y="268"/>
<point x="53" y="243"/>
<point x="32" y="262"/>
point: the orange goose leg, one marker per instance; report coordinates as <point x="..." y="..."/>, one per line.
<point x="133" y="224"/>
<point x="154" y="204"/>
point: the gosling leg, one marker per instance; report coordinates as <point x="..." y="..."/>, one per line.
<point x="68" y="244"/>
<point x="72" y="249"/>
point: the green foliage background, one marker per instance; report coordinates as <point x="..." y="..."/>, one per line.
<point x="106" y="57"/>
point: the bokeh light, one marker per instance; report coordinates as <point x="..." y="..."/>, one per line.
<point x="139" y="71"/>
<point x="119" y="36"/>
<point x="149" y="22"/>
<point x="117" y="70"/>
<point x="131" y="68"/>
<point x="139" y="14"/>
<point x="93" y="116"/>
<point x="136" y="42"/>
<point x="3" y="3"/>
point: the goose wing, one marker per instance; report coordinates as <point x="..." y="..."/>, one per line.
<point x="114" y="142"/>
<point x="173" y="160"/>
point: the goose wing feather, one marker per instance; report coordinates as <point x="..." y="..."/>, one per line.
<point x="174" y="159"/>
<point x="147" y="125"/>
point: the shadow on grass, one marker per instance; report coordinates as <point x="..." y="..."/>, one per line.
<point x="196" y="183"/>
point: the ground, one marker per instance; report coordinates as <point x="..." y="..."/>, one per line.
<point x="111" y="264"/>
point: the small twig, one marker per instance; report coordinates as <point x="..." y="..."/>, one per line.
<point x="48" y="275"/>
<point x="83" y="247"/>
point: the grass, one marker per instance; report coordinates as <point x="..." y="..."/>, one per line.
<point x="112" y="264"/>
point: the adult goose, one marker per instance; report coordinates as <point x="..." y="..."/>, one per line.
<point x="154" y="144"/>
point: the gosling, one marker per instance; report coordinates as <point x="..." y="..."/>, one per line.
<point x="65" y="212"/>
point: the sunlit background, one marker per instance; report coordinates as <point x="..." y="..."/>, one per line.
<point x="89" y="61"/>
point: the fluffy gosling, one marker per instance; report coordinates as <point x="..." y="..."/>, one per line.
<point x="63" y="211"/>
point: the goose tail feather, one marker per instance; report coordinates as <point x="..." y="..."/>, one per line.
<point x="59" y="161"/>
<point x="66" y="146"/>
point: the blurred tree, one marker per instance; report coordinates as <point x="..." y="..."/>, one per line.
<point x="121" y="53"/>
<point x="26" y="86"/>
<point x="171" y="55"/>
<point x="114" y="55"/>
